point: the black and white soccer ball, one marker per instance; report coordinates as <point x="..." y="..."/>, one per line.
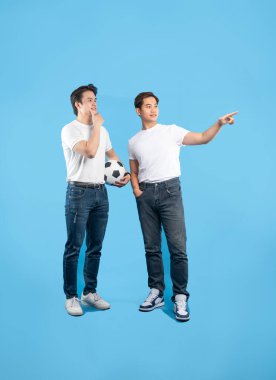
<point x="114" y="171"/>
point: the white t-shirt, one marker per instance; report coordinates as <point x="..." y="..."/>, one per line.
<point x="157" y="151"/>
<point x="80" y="168"/>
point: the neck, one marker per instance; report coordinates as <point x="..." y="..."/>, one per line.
<point x="148" y="124"/>
<point x="85" y="119"/>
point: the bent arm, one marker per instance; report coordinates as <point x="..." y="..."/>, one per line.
<point x="112" y="155"/>
<point x="89" y="148"/>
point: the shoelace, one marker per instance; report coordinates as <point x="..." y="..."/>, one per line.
<point x="181" y="305"/>
<point x="75" y="302"/>
<point x="151" y="297"/>
<point x="97" y="297"/>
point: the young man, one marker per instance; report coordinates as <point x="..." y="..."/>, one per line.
<point x="155" y="171"/>
<point x="85" y="143"/>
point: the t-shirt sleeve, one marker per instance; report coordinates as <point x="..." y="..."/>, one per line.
<point x="178" y="134"/>
<point x="71" y="136"/>
<point x="131" y="154"/>
<point x="108" y="144"/>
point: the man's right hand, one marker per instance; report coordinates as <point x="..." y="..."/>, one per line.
<point x="97" y="119"/>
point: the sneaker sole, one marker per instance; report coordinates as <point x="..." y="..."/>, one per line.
<point x="152" y="308"/>
<point x="96" y="307"/>
<point x="182" y="319"/>
<point x="75" y="314"/>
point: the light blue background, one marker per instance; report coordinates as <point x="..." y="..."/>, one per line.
<point x="203" y="60"/>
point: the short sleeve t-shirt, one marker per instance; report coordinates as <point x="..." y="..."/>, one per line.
<point x="157" y="151"/>
<point x="81" y="168"/>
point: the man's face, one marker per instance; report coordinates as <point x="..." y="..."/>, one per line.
<point x="149" y="111"/>
<point x="88" y="103"/>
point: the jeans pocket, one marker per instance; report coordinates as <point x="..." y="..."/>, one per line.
<point x="141" y="195"/>
<point x="174" y="190"/>
<point x="76" y="193"/>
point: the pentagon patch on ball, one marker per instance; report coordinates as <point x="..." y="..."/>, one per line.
<point x="114" y="171"/>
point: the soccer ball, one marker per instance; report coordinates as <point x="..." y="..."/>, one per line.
<point x="114" y="171"/>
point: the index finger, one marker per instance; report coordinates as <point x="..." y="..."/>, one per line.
<point x="233" y="113"/>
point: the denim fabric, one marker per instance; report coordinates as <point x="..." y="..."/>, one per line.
<point x="160" y="205"/>
<point x="86" y="211"/>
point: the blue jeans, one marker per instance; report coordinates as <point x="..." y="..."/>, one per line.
<point x="161" y="205"/>
<point x="86" y="211"/>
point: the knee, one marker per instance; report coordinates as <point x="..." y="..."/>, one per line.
<point x="152" y="250"/>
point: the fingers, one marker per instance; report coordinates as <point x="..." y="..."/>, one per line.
<point x="123" y="181"/>
<point x="232" y="114"/>
<point x="119" y="183"/>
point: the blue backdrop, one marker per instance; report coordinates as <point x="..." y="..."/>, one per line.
<point x="203" y="60"/>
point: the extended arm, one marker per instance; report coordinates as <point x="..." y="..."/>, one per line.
<point x="195" y="138"/>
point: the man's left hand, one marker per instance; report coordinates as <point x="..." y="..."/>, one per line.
<point x="123" y="181"/>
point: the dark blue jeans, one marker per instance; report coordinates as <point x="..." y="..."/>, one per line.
<point x="160" y="205"/>
<point x="86" y="211"/>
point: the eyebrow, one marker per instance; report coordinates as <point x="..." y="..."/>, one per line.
<point x="149" y="104"/>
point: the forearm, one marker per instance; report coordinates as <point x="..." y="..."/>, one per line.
<point x="210" y="133"/>
<point x="134" y="181"/>
<point x="93" y="143"/>
<point x="113" y="156"/>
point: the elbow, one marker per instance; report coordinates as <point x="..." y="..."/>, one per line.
<point x="90" y="154"/>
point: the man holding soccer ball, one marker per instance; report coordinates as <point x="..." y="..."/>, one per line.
<point x="155" y="170"/>
<point x="86" y="143"/>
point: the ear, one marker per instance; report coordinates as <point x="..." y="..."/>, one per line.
<point x="138" y="111"/>
<point x="78" y="105"/>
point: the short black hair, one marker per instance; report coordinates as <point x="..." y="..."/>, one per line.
<point x="76" y="95"/>
<point x="138" y="101"/>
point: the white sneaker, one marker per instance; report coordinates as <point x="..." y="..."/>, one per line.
<point x="180" y="308"/>
<point x="93" y="299"/>
<point x="73" y="307"/>
<point x="152" y="301"/>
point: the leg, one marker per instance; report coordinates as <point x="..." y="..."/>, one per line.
<point x="151" y="229"/>
<point x="172" y="217"/>
<point x="95" y="231"/>
<point x="76" y="218"/>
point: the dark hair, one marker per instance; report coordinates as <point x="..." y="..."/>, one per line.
<point x="138" y="101"/>
<point x="76" y="95"/>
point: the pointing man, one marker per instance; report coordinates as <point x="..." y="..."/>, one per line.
<point x="155" y="170"/>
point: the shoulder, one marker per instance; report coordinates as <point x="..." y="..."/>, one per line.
<point x="104" y="130"/>
<point x="166" y="127"/>
<point x="134" y="138"/>
<point x="171" y="126"/>
<point x="68" y="128"/>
